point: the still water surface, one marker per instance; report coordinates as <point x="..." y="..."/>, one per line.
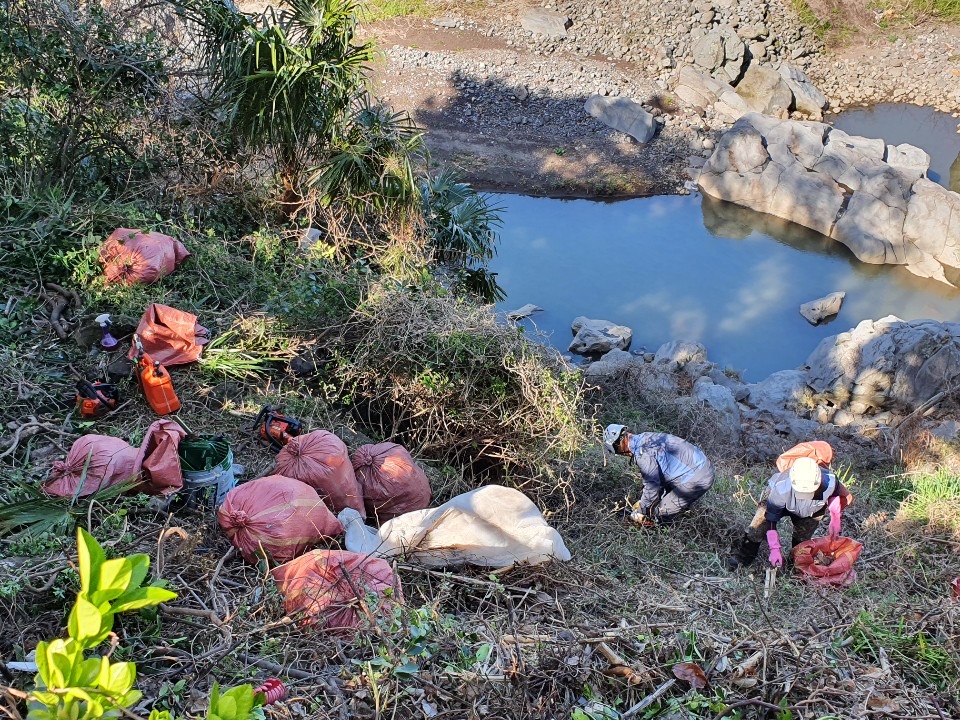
<point x="693" y="268"/>
<point x="686" y="267"/>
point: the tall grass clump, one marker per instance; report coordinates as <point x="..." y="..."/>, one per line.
<point x="933" y="501"/>
<point x="447" y="378"/>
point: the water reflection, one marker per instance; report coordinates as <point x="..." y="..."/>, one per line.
<point x="682" y="268"/>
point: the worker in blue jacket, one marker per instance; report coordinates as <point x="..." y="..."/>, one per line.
<point x="804" y="493"/>
<point x="675" y="472"/>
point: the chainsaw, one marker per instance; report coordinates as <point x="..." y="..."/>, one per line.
<point x="275" y="428"/>
<point x="95" y="400"/>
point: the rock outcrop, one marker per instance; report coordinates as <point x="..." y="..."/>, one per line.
<point x="548" y="23"/>
<point x="721" y="53"/>
<point x="841" y="186"/>
<point x="885" y="365"/>
<point x="806" y="97"/>
<point x="764" y="91"/>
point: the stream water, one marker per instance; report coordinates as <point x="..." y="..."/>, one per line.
<point x="692" y="268"/>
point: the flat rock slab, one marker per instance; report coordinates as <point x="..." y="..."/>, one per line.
<point x="523" y="312"/>
<point x="765" y="91"/>
<point x="624" y="115"/>
<point x="544" y="22"/>
<point x="816" y="311"/>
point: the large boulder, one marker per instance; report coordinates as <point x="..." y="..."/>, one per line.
<point x="679" y="353"/>
<point x="699" y="89"/>
<point x="886" y="364"/>
<point x="721" y="399"/>
<point x="841" y="186"/>
<point x="781" y="391"/>
<point x="624" y="115"/>
<point x="908" y="159"/>
<point x="721" y="53"/>
<point x="540" y="21"/>
<point x="806" y="97"/>
<point x="597" y="337"/>
<point x="764" y="91"/>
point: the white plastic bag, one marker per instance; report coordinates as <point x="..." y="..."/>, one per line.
<point x="492" y="526"/>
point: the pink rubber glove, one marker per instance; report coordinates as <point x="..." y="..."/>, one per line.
<point x="834" y="505"/>
<point x="773" y="540"/>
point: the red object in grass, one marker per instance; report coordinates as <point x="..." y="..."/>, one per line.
<point x="956" y="588"/>
<point x="843" y="550"/>
<point x="273" y="689"/>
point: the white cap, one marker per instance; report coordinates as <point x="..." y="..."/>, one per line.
<point x="611" y="435"/>
<point x="805" y="476"/>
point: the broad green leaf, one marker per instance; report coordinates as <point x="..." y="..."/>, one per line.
<point x="227" y="707"/>
<point x="86" y="622"/>
<point x="59" y="669"/>
<point x="42" y="679"/>
<point x="158" y="715"/>
<point x="243" y="699"/>
<point x="118" y="678"/>
<point x="139" y="564"/>
<point x="214" y="705"/>
<point x="129" y="698"/>
<point x="88" y="671"/>
<point x="141" y="598"/>
<point x="113" y="579"/>
<point x="90" y="556"/>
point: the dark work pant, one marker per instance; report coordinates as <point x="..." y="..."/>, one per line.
<point x="745" y="550"/>
<point x="680" y="498"/>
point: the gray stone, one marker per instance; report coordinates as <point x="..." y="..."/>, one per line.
<point x="675" y="355"/>
<point x="752" y="32"/>
<point x="445" y="22"/>
<point x="544" y="22"/>
<point x="780" y="391"/>
<point x="523" y="312"/>
<point x="820" y="309"/>
<point x="764" y="91"/>
<point x="908" y="159"/>
<point x="720" y="399"/>
<point x="699" y="89"/>
<point x="721" y="53"/>
<point x="806" y="97"/>
<point x="596" y="337"/>
<point x="612" y="363"/>
<point x="624" y="115"/>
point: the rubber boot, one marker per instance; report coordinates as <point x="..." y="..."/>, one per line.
<point x="743" y="552"/>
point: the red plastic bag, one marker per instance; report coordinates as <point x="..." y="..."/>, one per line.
<point x="828" y="560"/>
<point x="157" y="459"/>
<point x="391" y="482"/>
<point x="133" y="256"/>
<point x="955" y="586"/>
<point x="276" y="515"/>
<point x="320" y="459"/>
<point x="320" y="589"/>
<point x="111" y="461"/>
<point x="816" y="449"/>
<point x="170" y="336"/>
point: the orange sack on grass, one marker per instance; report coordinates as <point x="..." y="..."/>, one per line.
<point x="133" y="256"/>
<point x="816" y="449"/>
<point x="170" y="336"/>
<point x="844" y="552"/>
<point x="111" y="461"/>
<point x="320" y="589"/>
<point x="391" y="482"/>
<point x="158" y="459"/>
<point x="320" y="459"/>
<point x="276" y="515"/>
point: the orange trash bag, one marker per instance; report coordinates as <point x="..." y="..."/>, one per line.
<point x="391" y="482"/>
<point x="320" y="459"/>
<point x="157" y="459"/>
<point x="276" y="515"/>
<point x="320" y="589"/>
<point x="819" y="450"/>
<point x="170" y="336"/>
<point x="133" y="256"/>
<point x="828" y="560"/>
<point x="112" y="461"/>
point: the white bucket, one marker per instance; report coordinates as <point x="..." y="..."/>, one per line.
<point x="205" y="489"/>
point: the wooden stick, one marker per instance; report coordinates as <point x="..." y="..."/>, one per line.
<point x="648" y="700"/>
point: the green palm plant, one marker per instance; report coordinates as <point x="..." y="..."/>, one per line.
<point x="290" y="80"/>
<point x="374" y="166"/>
<point x="462" y="226"/>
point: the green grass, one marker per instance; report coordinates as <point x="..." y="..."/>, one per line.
<point x="809" y="18"/>
<point x="934" y="500"/>
<point x="376" y="10"/>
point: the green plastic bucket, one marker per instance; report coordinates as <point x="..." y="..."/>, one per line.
<point x="206" y="462"/>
